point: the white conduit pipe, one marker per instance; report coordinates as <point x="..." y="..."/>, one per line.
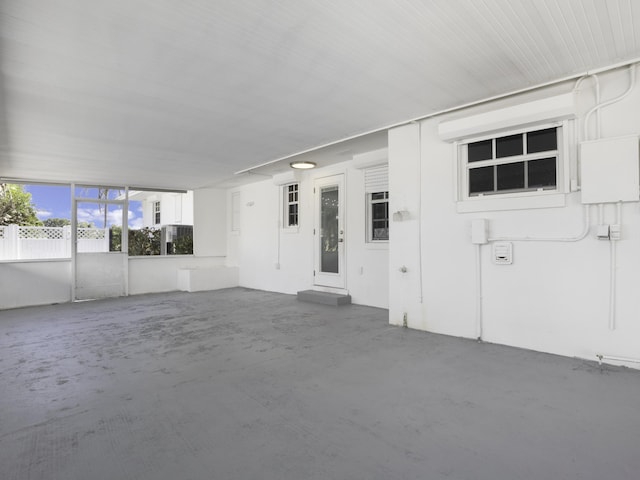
<point x="597" y="84"/>
<point x="585" y="231"/>
<point x="478" y="293"/>
<point x="632" y="81"/>
<point x="600" y="213"/>
<point x="617" y="359"/>
<point x="420" y="220"/>
<point x="612" y="271"/>
<point x="612" y="285"/>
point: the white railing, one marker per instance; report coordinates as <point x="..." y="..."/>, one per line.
<point x="23" y="243"/>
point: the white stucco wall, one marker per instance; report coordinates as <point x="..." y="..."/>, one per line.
<point x="555" y="296"/>
<point x="210" y="222"/>
<point x="281" y="260"/>
<point x="30" y="282"/>
<point x="160" y="273"/>
<point x="175" y="208"/>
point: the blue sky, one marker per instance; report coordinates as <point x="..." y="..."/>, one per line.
<point x="55" y="202"/>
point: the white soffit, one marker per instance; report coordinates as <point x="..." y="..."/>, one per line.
<point x="181" y="95"/>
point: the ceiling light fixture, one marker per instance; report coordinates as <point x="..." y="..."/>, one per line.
<point x="302" y="165"/>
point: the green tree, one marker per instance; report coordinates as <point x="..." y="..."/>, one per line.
<point x="145" y="241"/>
<point x="16" y="207"/>
<point x="63" y="222"/>
<point x="56" y="222"/>
<point x="115" y="239"/>
<point x="183" y="245"/>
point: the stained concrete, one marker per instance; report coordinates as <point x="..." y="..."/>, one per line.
<point x="242" y="384"/>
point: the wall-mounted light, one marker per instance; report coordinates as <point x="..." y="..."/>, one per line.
<point x="302" y="165"/>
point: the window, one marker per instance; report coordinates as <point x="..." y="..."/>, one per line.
<point x="291" y="205"/>
<point x="378" y="224"/>
<point x="154" y="233"/>
<point x="526" y="161"/>
<point x="156" y="213"/>
<point x="376" y="185"/>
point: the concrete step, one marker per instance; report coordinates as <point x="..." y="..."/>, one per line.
<point x="326" y="298"/>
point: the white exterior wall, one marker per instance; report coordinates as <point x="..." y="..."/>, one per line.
<point x="175" y="209"/>
<point x="210" y="222"/>
<point x="260" y="246"/>
<point x="555" y="296"/>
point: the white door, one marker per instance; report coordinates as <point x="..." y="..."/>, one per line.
<point x="329" y="236"/>
<point x="99" y="251"/>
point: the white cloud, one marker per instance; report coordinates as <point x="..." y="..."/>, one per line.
<point x="135" y="222"/>
<point x="42" y="214"/>
<point x="114" y="217"/>
<point x="91" y="215"/>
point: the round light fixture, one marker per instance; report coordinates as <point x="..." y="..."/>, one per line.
<point x="302" y="165"/>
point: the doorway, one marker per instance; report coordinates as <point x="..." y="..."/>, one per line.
<point x="329" y="236"/>
<point x="100" y="262"/>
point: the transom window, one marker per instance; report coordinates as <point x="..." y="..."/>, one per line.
<point x="520" y="162"/>
<point x="291" y="202"/>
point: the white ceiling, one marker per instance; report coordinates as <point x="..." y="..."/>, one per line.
<point x="182" y="94"/>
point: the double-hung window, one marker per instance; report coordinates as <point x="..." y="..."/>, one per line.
<point x="291" y="205"/>
<point x="156" y="213"/>
<point x="377" y="193"/>
<point x="379" y="217"/>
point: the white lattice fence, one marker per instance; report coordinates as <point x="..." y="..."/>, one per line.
<point x="44" y="242"/>
<point x="93" y="240"/>
<point x="4" y="243"/>
<point x="22" y="243"/>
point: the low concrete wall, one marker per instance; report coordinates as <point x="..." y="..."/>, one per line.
<point x="160" y="274"/>
<point x="28" y="282"/>
<point x="43" y="282"/>
<point x="208" y="278"/>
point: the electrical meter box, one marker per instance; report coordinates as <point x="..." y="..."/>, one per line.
<point x="609" y="170"/>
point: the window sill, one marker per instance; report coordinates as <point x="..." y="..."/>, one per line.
<point x="289" y="230"/>
<point x="520" y="202"/>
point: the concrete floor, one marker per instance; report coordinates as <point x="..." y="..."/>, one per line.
<point x="242" y="384"/>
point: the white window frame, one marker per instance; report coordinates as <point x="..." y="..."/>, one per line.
<point x="520" y="199"/>
<point x="370" y="202"/>
<point x="287" y="202"/>
<point x="157" y="213"/>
